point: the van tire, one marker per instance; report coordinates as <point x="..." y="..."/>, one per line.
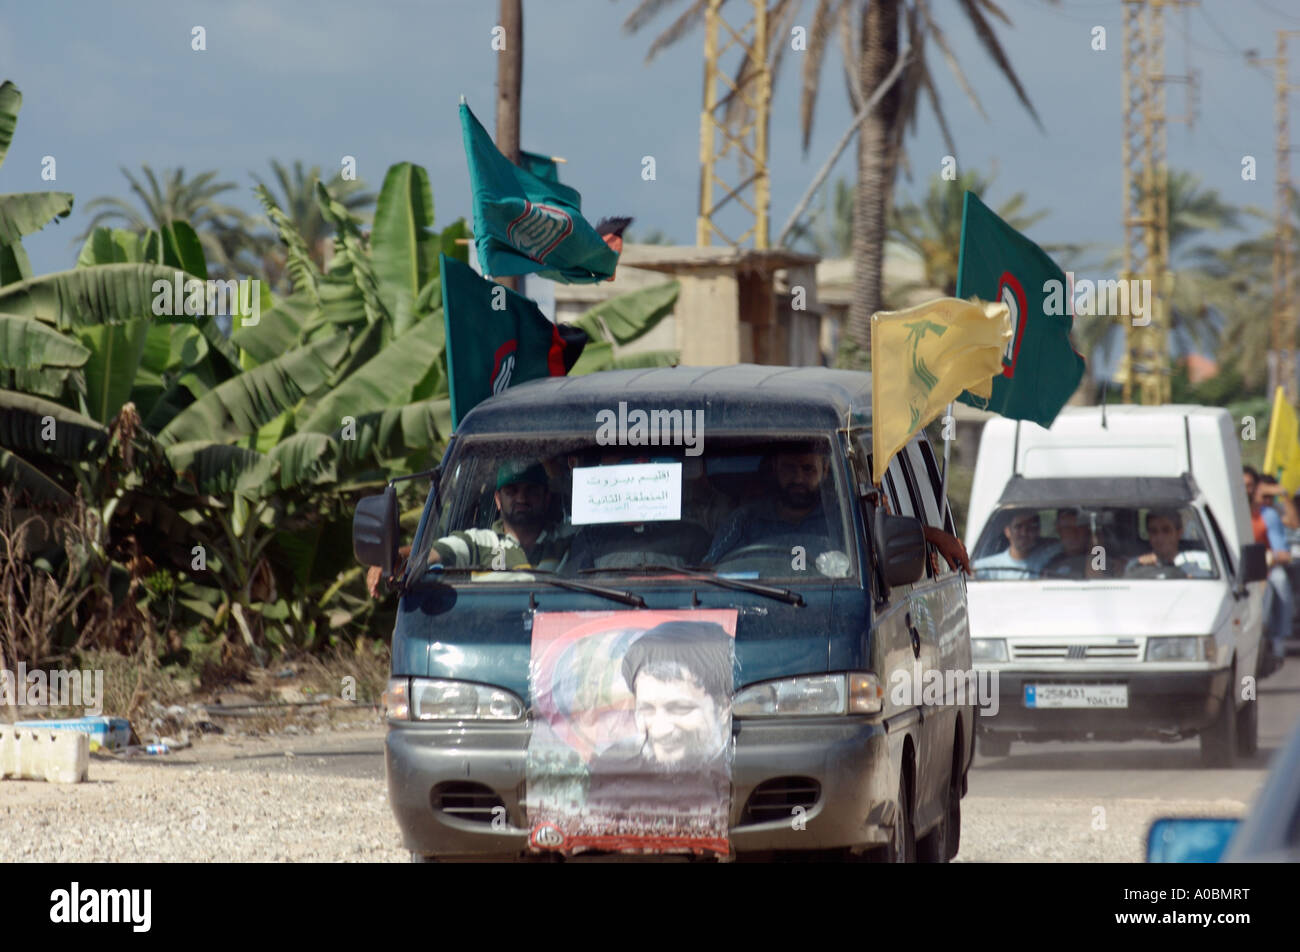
<point x="994" y="745"/>
<point x="942" y="843"/>
<point x="1248" y="729"/>
<point x="902" y="848"/>
<point x="1219" y="740"/>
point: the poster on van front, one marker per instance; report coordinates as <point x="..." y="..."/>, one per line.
<point x="631" y="749"/>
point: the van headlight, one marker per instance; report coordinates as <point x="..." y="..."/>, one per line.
<point x="852" y="693"/>
<point x="438" y="699"/>
<point x="1180" y="648"/>
<point x="988" y="650"/>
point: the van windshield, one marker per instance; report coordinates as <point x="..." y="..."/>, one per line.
<point x="741" y="507"/>
<point x="1093" y="542"/>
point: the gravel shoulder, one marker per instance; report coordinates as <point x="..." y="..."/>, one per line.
<point x="321" y="797"/>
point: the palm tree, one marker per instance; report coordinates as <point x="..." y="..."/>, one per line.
<point x="869" y="52"/>
<point x="225" y="232"/>
<point x="297" y="198"/>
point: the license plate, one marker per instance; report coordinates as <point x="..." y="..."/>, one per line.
<point x="1076" y="695"/>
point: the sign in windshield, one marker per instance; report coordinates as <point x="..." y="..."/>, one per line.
<point x="748" y="508"/>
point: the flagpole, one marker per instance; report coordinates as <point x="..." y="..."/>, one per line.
<point x="947" y="449"/>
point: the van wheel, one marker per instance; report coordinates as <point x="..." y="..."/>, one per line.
<point x="1219" y="740"/>
<point x="1248" y="729"/>
<point x="994" y="745"/>
<point x="942" y="843"/>
<point x="902" y="848"/>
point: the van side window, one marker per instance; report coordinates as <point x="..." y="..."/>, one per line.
<point x="923" y="506"/>
<point x="1222" y="543"/>
<point x="936" y="482"/>
<point x="926" y="489"/>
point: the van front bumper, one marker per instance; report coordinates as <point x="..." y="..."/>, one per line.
<point x="1164" y="705"/>
<point x="458" y="790"/>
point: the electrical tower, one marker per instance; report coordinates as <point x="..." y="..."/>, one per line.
<point x="1146" y="197"/>
<point x="1282" y="359"/>
<point x="745" y="141"/>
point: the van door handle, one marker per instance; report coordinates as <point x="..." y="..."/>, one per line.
<point x="915" y="633"/>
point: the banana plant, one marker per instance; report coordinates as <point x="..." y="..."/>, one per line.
<point x="27" y="212"/>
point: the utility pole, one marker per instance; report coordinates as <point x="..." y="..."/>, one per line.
<point x="1146" y="196"/>
<point x="510" y="82"/>
<point x="748" y="137"/>
<point x="1282" y="359"/>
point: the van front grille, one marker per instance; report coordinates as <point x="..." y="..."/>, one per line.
<point x="777" y="799"/>
<point x="1041" y="651"/>
<point x="468" y="801"/>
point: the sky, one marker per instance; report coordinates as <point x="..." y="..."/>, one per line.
<point x="112" y="85"/>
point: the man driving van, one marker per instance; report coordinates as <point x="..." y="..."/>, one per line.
<point x="1164" y="530"/>
<point x="795" y="508"/>
<point x="521" y="538"/>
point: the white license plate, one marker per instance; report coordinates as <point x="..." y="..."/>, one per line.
<point x="1076" y="695"/>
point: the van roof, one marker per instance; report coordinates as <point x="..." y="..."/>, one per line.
<point x="738" y="396"/>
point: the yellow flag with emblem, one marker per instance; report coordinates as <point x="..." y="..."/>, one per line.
<point x="1282" y="458"/>
<point x="922" y="358"/>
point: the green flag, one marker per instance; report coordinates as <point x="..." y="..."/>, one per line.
<point x="526" y="223"/>
<point x="497" y="338"/>
<point x="1040" y="368"/>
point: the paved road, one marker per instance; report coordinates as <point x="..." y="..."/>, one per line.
<point x="1141" y="769"/>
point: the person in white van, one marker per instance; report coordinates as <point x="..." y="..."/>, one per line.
<point x="1024" y="557"/>
<point x="1164" y="530"/>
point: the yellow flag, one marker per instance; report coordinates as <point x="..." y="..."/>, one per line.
<point x="922" y="358"/>
<point x="1282" y="458"/>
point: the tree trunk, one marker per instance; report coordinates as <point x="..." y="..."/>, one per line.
<point x="877" y="160"/>
<point x="510" y="82"/>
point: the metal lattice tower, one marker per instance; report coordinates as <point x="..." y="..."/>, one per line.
<point x="745" y="145"/>
<point x="1146" y="195"/>
<point x="1282" y="366"/>
<point x="1146" y="350"/>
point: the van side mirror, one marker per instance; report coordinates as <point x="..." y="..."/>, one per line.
<point x="1254" y="562"/>
<point x="375" y="530"/>
<point x="900" y="548"/>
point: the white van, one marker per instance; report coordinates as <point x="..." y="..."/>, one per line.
<point x="1118" y="589"/>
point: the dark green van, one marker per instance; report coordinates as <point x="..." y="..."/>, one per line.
<point x="735" y="502"/>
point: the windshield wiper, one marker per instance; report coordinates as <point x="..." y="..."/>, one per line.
<point x="618" y="595"/>
<point x="740" y="585"/>
<point x="627" y="598"/>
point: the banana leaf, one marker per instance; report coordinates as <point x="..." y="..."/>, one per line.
<point x="629" y="316"/>
<point x="28" y="212"/>
<point x="242" y="404"/>
<point x="403" y="250"/>
<point x="23" y="426"/>
<point x="27" y="343"/>
<point x="14" y="264"/>
<point x="115" y="351"/>
<point x="16" y="471"/>
<point x="387" y="380"/>
<point x="11" y="100"/>
<point x="303" y="273"/>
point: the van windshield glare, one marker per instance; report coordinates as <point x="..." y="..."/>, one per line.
<point x="744" y="507"/>
<point x="1093" y="542"/>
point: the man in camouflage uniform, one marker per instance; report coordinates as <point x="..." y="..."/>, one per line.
<point x="520" y="539"/>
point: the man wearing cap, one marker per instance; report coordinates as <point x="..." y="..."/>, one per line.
<point x="521" y="539"/>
